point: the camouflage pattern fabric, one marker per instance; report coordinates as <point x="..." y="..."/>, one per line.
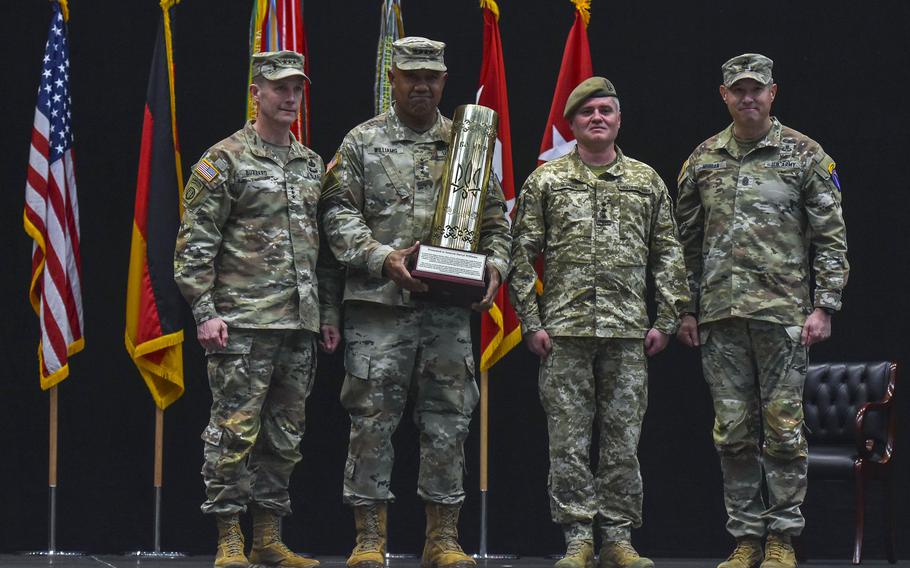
<point x="246" y="250"/>
<point x="736" y="354"/>
<point x="582" y="379"/>
<point x="391" y="351"/>
<point x="380" y="194"/>
<point x="599" y="237"/>
<point x="747" y="220"/>
<point x="259" y="381"/>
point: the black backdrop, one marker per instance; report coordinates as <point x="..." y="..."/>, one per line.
<point x="840" y="67"/>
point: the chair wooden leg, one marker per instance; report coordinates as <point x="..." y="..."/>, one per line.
<point x="860" y="512"/>
<point x="889" y="519"/>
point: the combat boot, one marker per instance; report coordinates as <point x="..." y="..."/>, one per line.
<point x="747" y="554"/>
<point x="620" y="554"/>
<point x="779" y="552"/>
<point x="268" y="549"/>
<point x="230" y="543"/>
<point x="369" y="550"/>
<point x="579" y="554"/>
<point x="442" y="549"/>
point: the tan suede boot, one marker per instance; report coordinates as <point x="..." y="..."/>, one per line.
<point x="369" y="551"/>
<point x="268" y="549"/>
<point x="620" y="554"/>
<point x="230" y="543"/>
<point x="747" y="554"/>
<point x="442" y="549"/>
<point x="579" y="554"/>
<point x="779" y="552"/>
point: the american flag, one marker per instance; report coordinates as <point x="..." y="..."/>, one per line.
<point x="52" y="214"/>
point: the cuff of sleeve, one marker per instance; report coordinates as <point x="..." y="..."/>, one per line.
<point x="203" y="312"/>
<point x="330" y="315"/>
<point x="500" y="266"/>
<point x="828" y="299"/>
<point x="377" y="259"/>
<point x="666" y="326"/>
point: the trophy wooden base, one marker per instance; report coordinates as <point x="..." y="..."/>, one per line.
<point x="454" y="277"/>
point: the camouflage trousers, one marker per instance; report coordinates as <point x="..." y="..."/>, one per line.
<point x="391" y="352"/>
<point x="756" y="371"/>
<point x="259" y="383"/>
<point x="583" y="379"/>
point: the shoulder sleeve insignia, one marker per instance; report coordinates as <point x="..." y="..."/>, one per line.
<point x="206" y="170"/>
<point x="335" y="160"/>
<point x="832" y="171"/>
<point x="193" y="191"/>
<point x="682" y="173"/>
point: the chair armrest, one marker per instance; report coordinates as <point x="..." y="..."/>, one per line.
<point x="864" y="446"/>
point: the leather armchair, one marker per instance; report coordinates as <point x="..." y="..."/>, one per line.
<point x="850" y="424"/>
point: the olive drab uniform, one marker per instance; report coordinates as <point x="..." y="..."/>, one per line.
<point x="749" y="215"/>
<point x="600" y="236"/>
<point x="246" y="252"/>
<point x="380" y="194"/>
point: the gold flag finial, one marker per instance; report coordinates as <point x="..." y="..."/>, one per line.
<point x="168" y="4"/>
<point x="491" y="6"/>
<point x="64" y="8"/>
<point x="584" y="8"/>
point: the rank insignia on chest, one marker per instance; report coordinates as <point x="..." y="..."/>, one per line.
<point x="206" y="170"/>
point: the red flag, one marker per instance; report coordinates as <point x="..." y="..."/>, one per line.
<point x="277" y="25"/>
<point x="576" y="67"/>
<point x="500" y="329"/>
<point x="51" y="215"/>
<point x="154" y="335"/>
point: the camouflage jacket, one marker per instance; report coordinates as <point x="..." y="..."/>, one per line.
<point x="247" y="246"/>
<point x="380" y="194"/>
<point x="599" y="237"/>
<point x="746" y="223"/>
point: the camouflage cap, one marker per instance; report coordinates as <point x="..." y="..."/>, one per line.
<point x="418" y="53"/>
<point x="591" y="87"/>
<point x="275" y="65"/>
<point x="747" y="66"/>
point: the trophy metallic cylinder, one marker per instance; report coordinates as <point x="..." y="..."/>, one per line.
<point x="456" y="224"/>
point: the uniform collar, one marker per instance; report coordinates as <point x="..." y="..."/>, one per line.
<point x="258" y="147"/>
<point x="399" y="132"/>
<point x="581" y="172"/>
<point x="772" y="138"/>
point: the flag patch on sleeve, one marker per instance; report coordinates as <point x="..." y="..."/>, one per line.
<point x="206" y="170"/>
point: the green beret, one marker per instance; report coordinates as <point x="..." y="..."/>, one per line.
<point x="747" y="66"/>
<point x="591" y="87"/>
<point x="275" y="65"/>
<point x="418" y="53"/>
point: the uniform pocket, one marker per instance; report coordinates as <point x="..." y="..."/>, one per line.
<point x="570" y="223"/>
<point x="357" y="364"/>
<point x="634" y="225"/>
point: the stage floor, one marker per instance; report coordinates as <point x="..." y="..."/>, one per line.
<point x="113" y="561"/>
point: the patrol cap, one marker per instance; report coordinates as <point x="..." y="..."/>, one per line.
<point x="747" y="66"/>
<point x="418" y="53"/>
<point x="590" y="87"/>
<point x="275" y="65"/>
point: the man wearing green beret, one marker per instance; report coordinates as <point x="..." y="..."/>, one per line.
<point x="379" y="201"/>
<point x="758" y="204"/>
<point x="602" y="221"/>
<point x="245" y="261"/>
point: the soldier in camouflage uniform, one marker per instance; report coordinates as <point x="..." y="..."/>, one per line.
<point x="753" y="200"/>
<point x="245" y="261"/>
<point x="378" y="202"/>
<point x="602" y="221"/>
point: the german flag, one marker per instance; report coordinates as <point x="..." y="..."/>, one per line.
<point x="154" y="337"/>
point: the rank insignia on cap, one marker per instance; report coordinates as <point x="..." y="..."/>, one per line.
<point x="206" y="170"/>
<point x="834" y="177"/>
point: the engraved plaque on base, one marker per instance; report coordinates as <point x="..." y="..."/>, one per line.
<point x="450" y="265"/>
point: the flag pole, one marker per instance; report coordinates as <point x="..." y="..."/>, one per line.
<point x="52" y="482"/>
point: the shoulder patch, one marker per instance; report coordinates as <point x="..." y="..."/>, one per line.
<point x="206" y="170"/>
<point x="336" y="159"/>
<point x="832" y="171"/>
<point x="193" y="192"/>
<point x="682" y="173"/>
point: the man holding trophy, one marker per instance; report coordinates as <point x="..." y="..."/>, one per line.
<point x="388" y="190"/>
<point x="602" y="221"/>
